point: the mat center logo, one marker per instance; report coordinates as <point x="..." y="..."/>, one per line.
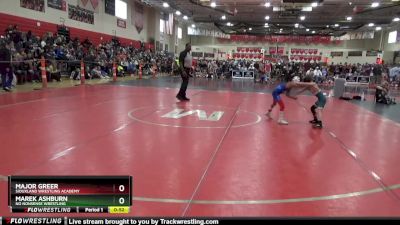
<point x="194" y="116"/>
<point x="201" y="114"/>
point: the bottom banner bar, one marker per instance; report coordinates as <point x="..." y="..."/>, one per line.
<point x="199" y="221"/>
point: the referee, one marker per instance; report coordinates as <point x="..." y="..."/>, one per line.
<point x="185" y="65"/>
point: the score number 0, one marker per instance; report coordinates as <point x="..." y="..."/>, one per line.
<point x="121" y="200"/>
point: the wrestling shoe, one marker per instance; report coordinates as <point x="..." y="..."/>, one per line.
<point x="268" y="114"/>
<point x="283" y="122"/>
<point x="318" y="125"/>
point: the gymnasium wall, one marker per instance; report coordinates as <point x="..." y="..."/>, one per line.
<point x="105" y="26"/>
<point x="175" y="45"/>
<point x="391" y="48"/>
<point x="207" y="44"/>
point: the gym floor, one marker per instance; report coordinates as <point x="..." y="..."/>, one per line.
<point x="217" y="155"/>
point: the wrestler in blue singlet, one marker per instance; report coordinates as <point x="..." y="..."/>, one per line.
<point x="281" y="88"/>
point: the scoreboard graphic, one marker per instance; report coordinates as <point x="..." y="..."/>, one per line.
<point x="105" y="221"/>
<point x="70" y="194"/>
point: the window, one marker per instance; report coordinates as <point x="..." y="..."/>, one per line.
<point x="392" y="37"/>
<point x="190" y="31"/>
<point x="162" y="25"/>
<point x="121" y="9"/>
<point x="179" y="33"/>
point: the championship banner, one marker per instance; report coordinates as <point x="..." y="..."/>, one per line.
<point x="169" y="24"/>
<point x="95" y="4"/>
<point x="81" y="15"/>
<point x="57" y="4"/>
<point x="37" y="5"/>
<point x="138" y="17"/>
<point x="90" y="5"/>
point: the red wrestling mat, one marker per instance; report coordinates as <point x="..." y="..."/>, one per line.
<point x="216" y="155"/>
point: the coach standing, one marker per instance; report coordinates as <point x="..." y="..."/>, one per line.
<point x="185" y="64"/>
<point x="5" y="66"/>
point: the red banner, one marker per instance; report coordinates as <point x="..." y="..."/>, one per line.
<point x="304" y="51"/>
<point x="305" y="57"/>
<point x="254" y="49"/>
<point x="272" y="50"/>
<point x="281" y="50"/>
<point x="276" y="50"/>
<point x="282" y="39"/>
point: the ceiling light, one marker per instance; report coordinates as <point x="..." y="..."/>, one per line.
<point x="193" y="25"/>
<point x="280" y="31"/>
<point x="313" y="32"/>
<point x="245" y="30"/>
<point x="250" y="28"/>
<point x="296" y="25"/>
<point x="276" y="9"/>
<point x="307" y="29"/>
<point x="349" y="18"/>
<point x="267" y="17"/>
<point x="371" y="24"/>
<point x="397" y="19"/>
<point x="314" y="4"/>
<point x="378" y="28"/>
<point x="306" y="9"/>
<point x="223" y="17"/>
<point x="302" y="17"/>
<point x="336" y="25"/>
<point x="165" y="5"/>
<point x="178" y="13"/>
<point x="185" y="17"/>
<point x="327" y="26"/>
<point x="267" y="4"/>
<point x="213" y="4"/>
<point x="375" y="4"/>
<point x="350" y="3"/>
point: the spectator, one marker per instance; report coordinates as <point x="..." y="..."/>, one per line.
<point x="5" y="66"/>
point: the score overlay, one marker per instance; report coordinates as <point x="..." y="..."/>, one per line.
<point x="70" y="194"/>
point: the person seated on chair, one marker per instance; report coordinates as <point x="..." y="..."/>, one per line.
<point x="53" y="72"/>
<point x="382" y="94"/>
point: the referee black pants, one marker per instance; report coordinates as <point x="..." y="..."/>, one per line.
<point x="185" y="83"/>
